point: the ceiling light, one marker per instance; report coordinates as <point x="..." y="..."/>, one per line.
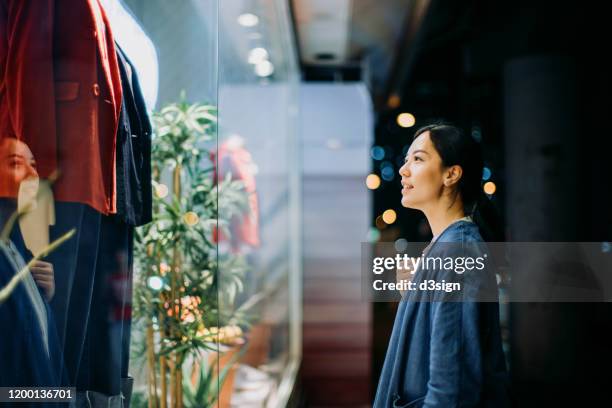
<point x="248" y="20"/>
<point x="257" y="55"/>
<point x="264" y="69"/>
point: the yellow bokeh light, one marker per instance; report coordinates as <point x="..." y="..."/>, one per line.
<point x="164" y="268"/>
<point x="372" y="181"/>
<point x="161" y="190"/>
<point x="191" y="218"/>
<point x="406" y="120"/>
<point x="489" y="187"/>
<point x="389" y="216"/>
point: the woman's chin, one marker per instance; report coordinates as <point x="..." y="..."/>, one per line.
<point x="406" y="202"/>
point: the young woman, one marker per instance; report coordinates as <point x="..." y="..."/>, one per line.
<point x="446" y="354"/>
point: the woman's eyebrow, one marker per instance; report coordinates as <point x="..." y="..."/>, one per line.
<point x="416" y="151"/>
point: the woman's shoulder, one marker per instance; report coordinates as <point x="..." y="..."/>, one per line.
<point x="460" y="239"/>
<point x="461" y="231"/>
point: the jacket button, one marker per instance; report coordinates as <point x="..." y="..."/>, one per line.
<point x="96" y="89"/>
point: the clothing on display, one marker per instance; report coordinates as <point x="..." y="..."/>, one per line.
<point x="70" y="95"/>
<point x="134" y="195"/>
<point x="233" y="158"/>
<point x="60" y="93"/>
<point x="86" y="297"/>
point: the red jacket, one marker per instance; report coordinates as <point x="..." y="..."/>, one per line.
<point x="237" y="160"/>
<point x="60" y="93"/>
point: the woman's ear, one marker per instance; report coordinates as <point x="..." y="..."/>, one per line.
<point x="452" y="175"/>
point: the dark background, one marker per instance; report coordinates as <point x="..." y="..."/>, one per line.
<point x="532" y="81"/>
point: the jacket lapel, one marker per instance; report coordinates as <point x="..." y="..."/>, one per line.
<point x="108" y="56"/>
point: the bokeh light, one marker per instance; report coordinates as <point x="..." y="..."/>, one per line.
<point x="380" y="224"/>
<point x="406" y="120"/>
<point x="161" y="190"/>
<point x="394" y="101"/>
<point x="155" y="282"/>
<point x="387" y="173"/>
<point x="486" y="173"/>
<point x="377" y="153"/>
<point x="489" y="187"/>
<point x="191" y="218"/>
<point x="401" y="245"/>
<point x="389" y="216"/>
<point x="373" y="235"/>
<point x="372" y="181"/>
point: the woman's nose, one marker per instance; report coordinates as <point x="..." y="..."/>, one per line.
<point x="404" y="171"/>
<point x="31" y="171"/>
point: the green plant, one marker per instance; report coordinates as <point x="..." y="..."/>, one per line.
<point x="206" y="390"/>
<point x="179" y="294"/>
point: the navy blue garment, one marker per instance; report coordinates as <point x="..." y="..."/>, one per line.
<point x="134" y="194"/>
<point x="25" y="361"/>
<point x="446" y="353"/>
<point x="85" y="302"/>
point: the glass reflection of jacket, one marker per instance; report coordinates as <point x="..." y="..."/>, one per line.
<point x="446" y="353"/>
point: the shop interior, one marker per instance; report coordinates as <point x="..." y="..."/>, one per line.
<point x="202" y="245"/>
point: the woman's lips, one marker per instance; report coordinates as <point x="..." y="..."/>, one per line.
<point x="406" y="189"/>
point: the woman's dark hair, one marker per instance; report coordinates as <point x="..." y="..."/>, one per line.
<point x="457" y="148"/>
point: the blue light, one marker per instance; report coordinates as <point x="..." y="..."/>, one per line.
<point x="387" y="173"/>
<point x="377" y="153"/>
<point x="486" y="174"/>
<point x="401" y="245"/>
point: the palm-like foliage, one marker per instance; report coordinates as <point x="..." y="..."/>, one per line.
<point x="177" y="290"/>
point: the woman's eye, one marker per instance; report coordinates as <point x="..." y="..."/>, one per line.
<point x="417" y="158"/>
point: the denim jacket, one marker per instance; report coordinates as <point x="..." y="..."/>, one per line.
<point x="446" y="354"/>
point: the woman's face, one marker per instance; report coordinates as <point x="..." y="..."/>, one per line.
<point x="17" y="164"/>
<point x="422" y="174"/>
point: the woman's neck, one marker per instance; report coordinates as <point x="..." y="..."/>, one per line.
<point x="440" y="216"/>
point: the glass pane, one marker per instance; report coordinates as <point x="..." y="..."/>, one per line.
<point x="258" y="196"/>
<point x="174" y="344"/>
<point x="108" y="209"/>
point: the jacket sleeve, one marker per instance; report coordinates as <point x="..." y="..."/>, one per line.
<point x="27" y="73"/>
